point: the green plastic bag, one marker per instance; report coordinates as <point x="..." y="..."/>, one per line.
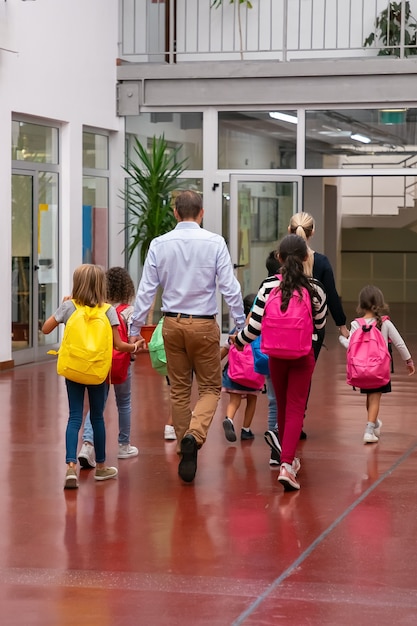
<point x="157" y="350"/>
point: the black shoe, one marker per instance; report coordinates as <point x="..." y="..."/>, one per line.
<point x="229" y="429"/>
<point x="303" y="435"/>
<point x="188" y="464"/>
<point x="275" y="459"/>
<point x="271" y="438"/>
<point x="246" y="434"/>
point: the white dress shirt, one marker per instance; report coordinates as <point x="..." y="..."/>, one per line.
<point x="190" y="263"/>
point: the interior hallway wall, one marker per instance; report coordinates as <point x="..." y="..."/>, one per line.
<point x="381" y="256"/>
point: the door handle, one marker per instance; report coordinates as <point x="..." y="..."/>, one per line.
<point x="36" y="268"/>
<point x="236" y="265"/>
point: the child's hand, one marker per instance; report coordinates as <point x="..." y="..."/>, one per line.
<point x="344" y="331"/>
<point x="410" y="367"/>
<point x="140" y="344"/>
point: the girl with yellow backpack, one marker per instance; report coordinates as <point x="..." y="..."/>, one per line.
<point x="84" y="359"/>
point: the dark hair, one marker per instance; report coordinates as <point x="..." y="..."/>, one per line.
<point x="372" y="299"/>
<point x="120" y="287"/>
<point x="272" y="264"/>
<point x="292" y="252"/>
<point x="188" y="204"/>
<point x="248" y="302"/>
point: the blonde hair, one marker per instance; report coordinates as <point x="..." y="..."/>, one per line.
<point x="89" y="285"/>
<point x="302" y="224"/>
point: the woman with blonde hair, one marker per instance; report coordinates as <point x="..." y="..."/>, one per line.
<point x="318" y="266"/>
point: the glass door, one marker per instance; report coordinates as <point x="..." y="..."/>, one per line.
<point x="34" y="262"/>
<point x="256" y="213"/>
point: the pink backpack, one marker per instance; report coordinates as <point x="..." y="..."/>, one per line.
<point x="368" y="360"/>
<point x="287" y="334"/>
<point x="241" y="369"/>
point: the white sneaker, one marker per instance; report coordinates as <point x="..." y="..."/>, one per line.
<point x="370" y="437"/>
<point x="126" y="451"/>
<point x="377" y="429"/>
<point x="87" y="456"/>
<point x="169" y="433"/>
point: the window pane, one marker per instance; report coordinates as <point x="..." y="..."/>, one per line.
<point x="361" y="138"/>
<point x="257" y="140"/>
<point x="95" y="151"/>
<point x="95" y="220"/>
<point x="183" y="130"/>
<point x="22" y="260"/>
<point x="32" y="142"/>
<point x="47" y="251"/>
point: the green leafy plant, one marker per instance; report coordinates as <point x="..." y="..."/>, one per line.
<point x="388" y="30"/>
<point x="153" y="176"/>
<point x="218" y="3"/>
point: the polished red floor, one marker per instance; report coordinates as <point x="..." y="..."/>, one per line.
<point x="229" y="549"/>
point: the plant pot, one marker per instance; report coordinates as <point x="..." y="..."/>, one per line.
<point x="147" y="332"/>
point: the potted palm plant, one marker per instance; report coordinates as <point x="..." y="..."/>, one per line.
<point x="153" y="177"/>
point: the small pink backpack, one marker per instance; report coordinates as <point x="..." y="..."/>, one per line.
<point x="287" y="334"/>
<point x="241" y="369"/>
<point x="368" y="362"/>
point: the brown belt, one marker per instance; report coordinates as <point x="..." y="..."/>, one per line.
<point x="187" y="316"/>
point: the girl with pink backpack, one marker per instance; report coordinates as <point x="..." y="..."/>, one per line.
<point x="365" y="367"/>
<point x="288" y="310"/>
<point x="241" y="382"/>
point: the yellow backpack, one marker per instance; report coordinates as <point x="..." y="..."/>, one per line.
<point x="85" y="354"/>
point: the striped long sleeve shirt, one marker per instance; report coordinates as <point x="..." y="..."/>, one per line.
<point x="253" y="328"/>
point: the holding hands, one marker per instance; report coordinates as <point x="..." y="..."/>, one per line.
<point x="410" y="367"/>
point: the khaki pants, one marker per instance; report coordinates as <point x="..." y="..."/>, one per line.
<point x="192" y="347"/>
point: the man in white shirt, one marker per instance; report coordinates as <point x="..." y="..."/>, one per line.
<point x="189" y="263"/>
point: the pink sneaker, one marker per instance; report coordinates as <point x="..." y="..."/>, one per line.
<point x="296" y="465"/>
<point x="287" y="478"/>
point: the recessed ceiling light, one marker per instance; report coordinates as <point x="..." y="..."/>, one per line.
<point x="360" y="138"/>
<point x="284" y="117"/>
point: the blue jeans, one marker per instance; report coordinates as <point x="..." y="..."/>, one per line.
<point x="97" y="395"/>
<point x="124" y="407"/>
<point x="272" y="404"/>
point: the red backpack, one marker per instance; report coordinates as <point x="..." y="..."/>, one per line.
<point x="121" y="360"/>
<point x="368" y="362"/>
<point x="287" y="334"/>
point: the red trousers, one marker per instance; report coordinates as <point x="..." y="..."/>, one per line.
<point x="291" y="381"/>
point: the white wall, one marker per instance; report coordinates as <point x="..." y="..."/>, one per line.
<point x="63" y="68"/>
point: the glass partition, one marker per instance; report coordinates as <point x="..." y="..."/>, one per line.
<point x="361" y="138"/>
<point x="184" y="130"/>
<point x="95" y="241"/>
<point x="257" y="139"/>
<point x="35" y="143"/>
<point x="95" y="151"/>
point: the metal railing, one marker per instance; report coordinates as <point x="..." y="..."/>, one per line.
<point x="174" y="31"/>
